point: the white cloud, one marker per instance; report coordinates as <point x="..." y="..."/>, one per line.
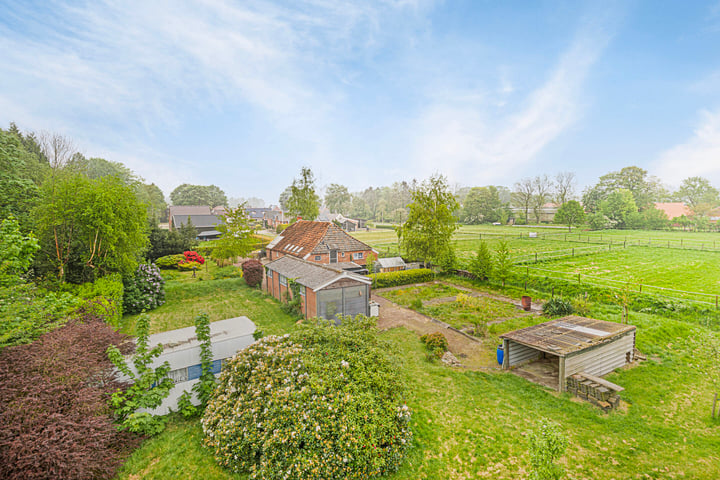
<point x="480" y="145"/>
<point x="698" y="156"/>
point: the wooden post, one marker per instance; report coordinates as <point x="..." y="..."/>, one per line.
<point x="573" y="251"/>
<point x="578" y="278"/>
<point x="535" y="257"/>
<point x="552" y="295"/>
<point x="641" y="288"/>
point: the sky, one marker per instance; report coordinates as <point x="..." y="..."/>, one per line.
<point x="243" y="94"/>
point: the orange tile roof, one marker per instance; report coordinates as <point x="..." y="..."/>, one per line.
<point x="305" y="237"/>
<point x="674" y="209"/>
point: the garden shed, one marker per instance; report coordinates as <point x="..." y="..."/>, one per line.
<point x="550" y="352"/>
<point x="326" y="290"/>
<point x="181" y="349"/>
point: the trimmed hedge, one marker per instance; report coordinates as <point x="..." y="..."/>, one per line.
<point x="170" y="261"/>
<point x="403" y="277"/>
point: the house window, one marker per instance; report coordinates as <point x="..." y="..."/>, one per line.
<point x="302" y="292"/>
<point x="358" y="256"/>
<point x="342" y="254"/>
<point x="283" y="280"/>
<point x="269" y="273"/>
<point x="318" y="258"/>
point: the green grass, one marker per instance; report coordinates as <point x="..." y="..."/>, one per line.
<point x="474" y="424"/>
<point x="406" y="296"/>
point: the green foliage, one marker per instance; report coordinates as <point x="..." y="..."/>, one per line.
<point x="304" y="201"/>
<point x="696" y="191"/>
<point x="170" y="261"/>
<point x="643" y="189"/>
<point x="108" y="294"/>
<point x="88" y="228"/>
<point x="619" y="206"/>
<point x="402" y="277"/>
<point x="482" y="264"/>
<point x="502" y="269"/>
<point x="16" y="251"/>
<point x="187" y="194"/>
<point x="253" y="272"/>
<point x="145" y="290"/>
<point x="185" y="405"/>
<point x="431" y="223"/>
<point x="323" y="402"/>
<point x="167" y="242"/>
<point x="206" y="384"/>
<point x="547" y="444"/>
<point x="292" y="304"/>
<point x="557" y="307"/>
<point x="570" y="213"/>
<point x="227" y="272"/>
<point x="149" y="385"/>
<point x="436" y="343"/>
<point x="598" y="221"/>
<point x="18" y="188"/>
<point x="237" y="239"/>
<point x="189" y="266"/>
<point x="482" y="205"/>
<point x="337" y="198"/>
<point x="279" y="229"/>
<point x="27" y="311"/>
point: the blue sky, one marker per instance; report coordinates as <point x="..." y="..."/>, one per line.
<point x="242" y="94"/>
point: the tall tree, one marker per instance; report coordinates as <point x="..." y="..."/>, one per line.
<point x="523" y="194"/>
<point x="644" y="189"/>
<point x="428" y="231"/>
<point x="697" y="192"/>
<point x="542" y="186"/>
<point x="337" y="198"/>
<point x="18" y="191"/>
<point x="304" y="201"/>
<point x="570" y="213"/>
<point x="236" y="239"/>
<point x="284" y="197"/>
<point x="187" y="194"/>
<point x="619" y="206"/>
<point x="564" y="187"/>
<point x="482" y="205"/>
<point x="154" y="199"/>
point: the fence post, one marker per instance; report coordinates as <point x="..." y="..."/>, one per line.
<point x="578" y="278"/>
<point x="716" y="301"/>
<point x="573" y="251"/>
<point x="535" y="257"/>
<point x="552" y="295"/>
<point x="641" y="288"/>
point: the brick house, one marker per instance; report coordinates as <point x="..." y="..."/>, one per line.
<point x="274" y="218"/>
<point x="326" y="290"/>
<point x="320" y="242"/>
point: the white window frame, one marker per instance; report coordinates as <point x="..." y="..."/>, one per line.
<point x="269" y="273"/>
<point x="358" y="256"/>
<point x="283" y="280"/>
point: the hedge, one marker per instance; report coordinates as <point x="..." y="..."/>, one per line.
<point x="403" y="277"/>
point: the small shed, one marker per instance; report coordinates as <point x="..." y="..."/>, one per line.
<point x="181" y="349"/>
<point x="390" y="264"/>
<point x="550" y="352"/>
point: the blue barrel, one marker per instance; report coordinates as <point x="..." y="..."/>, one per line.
<point x="500" y="354"/>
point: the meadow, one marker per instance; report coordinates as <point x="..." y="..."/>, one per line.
<point x="471" y="424"/>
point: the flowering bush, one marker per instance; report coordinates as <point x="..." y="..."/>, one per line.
<point x="192" y="256"/>
<point x="322" y="403"/>
<point x="145" y="290"/>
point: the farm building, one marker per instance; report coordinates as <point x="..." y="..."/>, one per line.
<point x="391" y="264"/>
<point x="326" y="290"/>
<point x="181" y="349"/>
<point x="550" y="352"/>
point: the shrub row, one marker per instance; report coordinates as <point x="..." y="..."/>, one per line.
<point x="54" y="416"/>
<point x="107" y="294"/>
<point x="403" y="277"/>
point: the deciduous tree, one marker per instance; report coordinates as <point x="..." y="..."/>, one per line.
<point x="304" y="201"/>
<point x="570" y="213"/>
<point x="236" y="239"/>
<point x="187" y="194"/>
<point x="522" y="195"/>
<point x="428" y="231"/>
<point x="337" y="198"/>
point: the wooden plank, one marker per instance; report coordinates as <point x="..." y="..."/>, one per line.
<point x="603" y="382"/>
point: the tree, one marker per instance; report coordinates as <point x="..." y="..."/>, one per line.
<point x="696" y="191"/>
<point x="482" y="264"/>
<point x="547" y="444"/>
<point x="523" y="195"/>
<point x="570" y="213"/>
<point x="618" y="207"/>
<point x="18" y="191"/>
<point x="303" y="201"/>
<point x="482" y="205"/>
<point x="16" y="251"/>
<point x="284" y="197"/>
<point x="564" y="187"/>
<point x="166" y="242"/>
<point x="645" y="190"/>
<point x="541" y="185"/>
<point x="88" y="228"/>
<point x="337" y="198"/>
<point x="187" y="194"/>
<point x="427" y="232"/>
<point x="154" y="199"/>
<point x="503" y="264"/>
<point x="237" y="239"/>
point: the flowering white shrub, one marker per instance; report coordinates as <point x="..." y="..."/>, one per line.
<point x="325" y="403"/>
<point x="144" y="290"/>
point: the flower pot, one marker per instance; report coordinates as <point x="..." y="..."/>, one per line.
<point x="526" y="303"/>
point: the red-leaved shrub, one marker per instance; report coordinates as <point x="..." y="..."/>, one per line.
<point x="55" y="421"/>
<point x="253" y="272"/>
<point x="193" y="256"/>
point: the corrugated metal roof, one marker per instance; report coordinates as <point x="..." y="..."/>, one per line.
<point x="390" y="262"/>
<point x="567" y="335"/>
<point x="312" y="275"/>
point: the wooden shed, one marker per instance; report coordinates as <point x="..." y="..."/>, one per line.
<point x="550" y="352"/>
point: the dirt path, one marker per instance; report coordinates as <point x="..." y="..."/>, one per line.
<point x="470" y="352"/>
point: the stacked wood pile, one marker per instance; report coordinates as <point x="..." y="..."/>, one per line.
<point x="595" y="390"/>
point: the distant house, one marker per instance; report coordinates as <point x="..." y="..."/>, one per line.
<point x="257" y="214"/>
<point x="391" y="264"/>
<point x="219" y="210"/>
<point x="274" y="218"/>
<point x="320" y="242"/>
<point x="201" y="217"/>
<point x="674" y="209"/>
<point x="714" y="215"/>
<point x="347" y="224"/>
<point x="326" y="290"/>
